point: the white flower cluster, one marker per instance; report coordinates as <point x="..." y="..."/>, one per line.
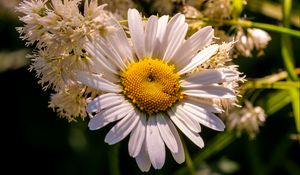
<point x="59" y="30"/>
<point x="246" y="119"/>
<point x="254" y="38"/>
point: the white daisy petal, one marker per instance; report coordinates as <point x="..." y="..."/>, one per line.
<point x="99" y="63"/>
<point x="155" y="144"/>
<point x="97" y="122"/>
<point x="98" y="48"/>
<point x="186" y="120"/>
<point x="207" y="106"/>
<point x="161" y="30"/>
<point x="151" y="30"/>
<point x="96" y="67"/>
<point x="110" y="53"/>
<point x="120" y="42"/>
<point x="137" y="136"/>
<point x="143" y="159"/>
<point x="210" y="92"/>
<point x="178" y="156"/>
<point x="190" y="47"/>
<point x="104" y="101"/>
<point x="229" y="74"/>
<point x="109" y="115"/>
<point x="207" y="119"/>
<point x="137" y="33"/>
<point x="194" y="137"/>
<point x="200" y="58"/>
<point x="121" y="129"/>
<point x="166" y="133"/>
<point x="209" y="76"/>
<point x="97" y="82"/>
<point x="175" y="33"/>
<point x="175" y="42"/>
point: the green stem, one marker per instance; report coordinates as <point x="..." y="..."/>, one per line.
<point x="217" y="144"/>
<point x="113" y="158"/>
<point x="253" y="156"/>
<point x="249" y="24"/>
<point x="278" y="29"/>
<point x="286" y="11"/>
<point x="272" y="82"/>
<point x="286" y="43"/>
<point x="288" y="59"/>
<point x="275" y="85"/>
<point x="275" y="101"/>
<point x="295" y="95"/>
<point x="188" y="159"/>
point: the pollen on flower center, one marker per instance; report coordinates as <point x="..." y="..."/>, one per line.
<point x="151" y="85"/>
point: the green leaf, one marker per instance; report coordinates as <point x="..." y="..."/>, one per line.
<point x="275" y="101"/>
<point x="294" y="94"/>
<point x="113" y="158"/>
<point x="273" y="85"/>
<point x="288" y="59"/>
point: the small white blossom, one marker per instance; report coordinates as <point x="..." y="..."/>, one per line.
<point x="246" y="119"/>
<point x="254" y="38"/>
<point x="260" y="38"/>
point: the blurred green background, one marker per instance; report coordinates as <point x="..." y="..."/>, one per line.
<point x="35" y="141"/>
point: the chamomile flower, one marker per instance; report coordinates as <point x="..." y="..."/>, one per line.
<point x="153" y="84"/>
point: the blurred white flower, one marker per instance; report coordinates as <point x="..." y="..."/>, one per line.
<point x="260" y="37"/>
<point x="217" y="9"/>
<point x="246" y="119"/>
<point x="118" y="7"/>
<point x="254" y="38"/>
<point x="244" y="44"/>
<point x="191" y="12"/>
<point x="154" y="83"/>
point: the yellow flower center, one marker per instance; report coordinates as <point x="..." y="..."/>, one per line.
<point x="151" y="85"/>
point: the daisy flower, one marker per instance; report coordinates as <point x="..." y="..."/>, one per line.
<point x="151" y="84"/>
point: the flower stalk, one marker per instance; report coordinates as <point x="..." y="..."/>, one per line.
<point x="188" y="159"/>
<point x="250" y="24"/>
<point x="288" y="59"/>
